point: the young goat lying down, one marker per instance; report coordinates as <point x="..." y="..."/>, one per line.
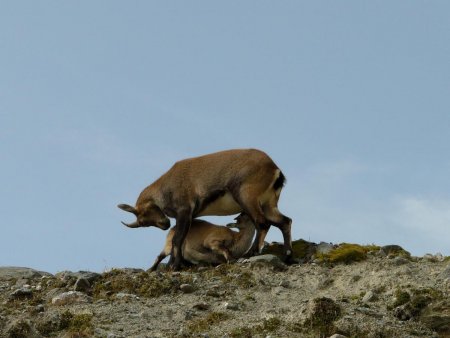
<point x="210" y="243"/>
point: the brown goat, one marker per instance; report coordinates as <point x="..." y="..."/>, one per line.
<point x="209" y="243"/>
<point x="222" y="183"/>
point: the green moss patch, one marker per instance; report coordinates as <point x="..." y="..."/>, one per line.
<point x="301" y="249"/>
<point x="347" y="253"/>
<point x="141" y="284"/>
<point x="203" y="324"/>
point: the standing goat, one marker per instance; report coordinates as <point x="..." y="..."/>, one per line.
<point x="222" y="183"/>
<point x="209" y="243"/>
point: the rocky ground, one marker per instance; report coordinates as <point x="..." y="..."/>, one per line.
<point x="339" y="291"/>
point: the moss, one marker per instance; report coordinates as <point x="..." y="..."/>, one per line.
<point x="401" y="297"/>
<point x="241" y="332"/>
<point x="232" y="276"/>
<point x="268" y="325"/>
<point x="20" y="329"/>
<point x="345" y="253"/>
<point x="271" y="324"/>
<point x="142" y="284"/>
<point x="301" y="249"/>
<point x="324" y="312"/>
<point x="203" y="324"/>
<point x="81" y="322"/>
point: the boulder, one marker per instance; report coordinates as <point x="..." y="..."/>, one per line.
<point x="12" y="272"/>
<point x="268" y="259"/>
<point x="71" y="297"/>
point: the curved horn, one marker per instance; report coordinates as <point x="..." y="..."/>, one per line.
<point x="128" y="208"/>
<point x="131" y="225"/>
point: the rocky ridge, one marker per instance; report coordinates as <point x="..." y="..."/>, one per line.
<point x="335" y="291"/>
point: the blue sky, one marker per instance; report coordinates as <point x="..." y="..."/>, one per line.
<point x="98" y="99"/>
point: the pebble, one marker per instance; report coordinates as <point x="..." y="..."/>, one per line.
<point x="187" y="288"/>
<point x="369" y="297"/>
<point x="126" y="296"/>
<point x="231" y="306"/>
<point x="284" y="284"/>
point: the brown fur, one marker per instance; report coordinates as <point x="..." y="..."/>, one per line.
<point x="209" y="243"/>
<point x="222" y="183"/>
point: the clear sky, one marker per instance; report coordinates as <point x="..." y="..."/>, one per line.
<point x="99" y="98"/>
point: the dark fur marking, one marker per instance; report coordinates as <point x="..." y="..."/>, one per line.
<point x="280" y="181"/>
<point x="201" y="205"/>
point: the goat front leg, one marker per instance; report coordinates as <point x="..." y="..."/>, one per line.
<point x="181" y="229"/>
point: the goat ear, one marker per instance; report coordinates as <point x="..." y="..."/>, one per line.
<point x="128" y="208"/>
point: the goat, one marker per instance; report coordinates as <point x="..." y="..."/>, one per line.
<point x="209" y="243"/>
<point x="222" y="183"/>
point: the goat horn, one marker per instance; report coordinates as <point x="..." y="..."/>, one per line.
<point x="131" y="225"/>
<point x="128" y="208"/>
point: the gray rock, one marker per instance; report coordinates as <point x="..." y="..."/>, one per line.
<point x="268" y="259"/>
<point x="82" y="284"/>
<point x="213" y="293"/>
<point x="324" y="248"/>
<point x="187" y="288"/>
<point x="429" y="258"/>
<point x="337" y="335"/>
<point x="21" y="293"/>
<point x="231" y="306"/>
<point x="437" y="317"/>
<point x="284" y="284"/>
<point x="393" y="250"/>
<point x="370" y="296"/>
<point x="446" y="273"/>
<point x="126" y="296"/>
<point x="201" y="306"/>
<point x="400" y="261"/>
<point x="71" y="297"/>
<point x="12" y="272"/>
<point x="69" y="275"/>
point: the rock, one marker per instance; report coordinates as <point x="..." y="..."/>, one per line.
<point x="187" y="288"/>
<point x="437" y="317"/>
<point x="284" y="284"/>
<point x="231" y="306"/>
<point x="429" y="258"/>
<point x="393" y="250"/>
<point x="11" y="272"/>
<point x="71" y="297"/>
<point x="324" y="248"/>
<point x="213" y="293"/>
<point x="325" y="283"/>
<point x="370" y="296"/>
<point x="201" y="306"/>
<point x="82" y="284"/>
<point x="400" y="261"/>
<point x="446" y="273"/>
<point x="268" y="259"/>
<point x="21" y="293"/>
<point x="126" y="296"/>
<point x="337" y="335"/>
<point x="69" y="275"/>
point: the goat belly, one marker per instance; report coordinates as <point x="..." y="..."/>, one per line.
<point x="222" y="206"/>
